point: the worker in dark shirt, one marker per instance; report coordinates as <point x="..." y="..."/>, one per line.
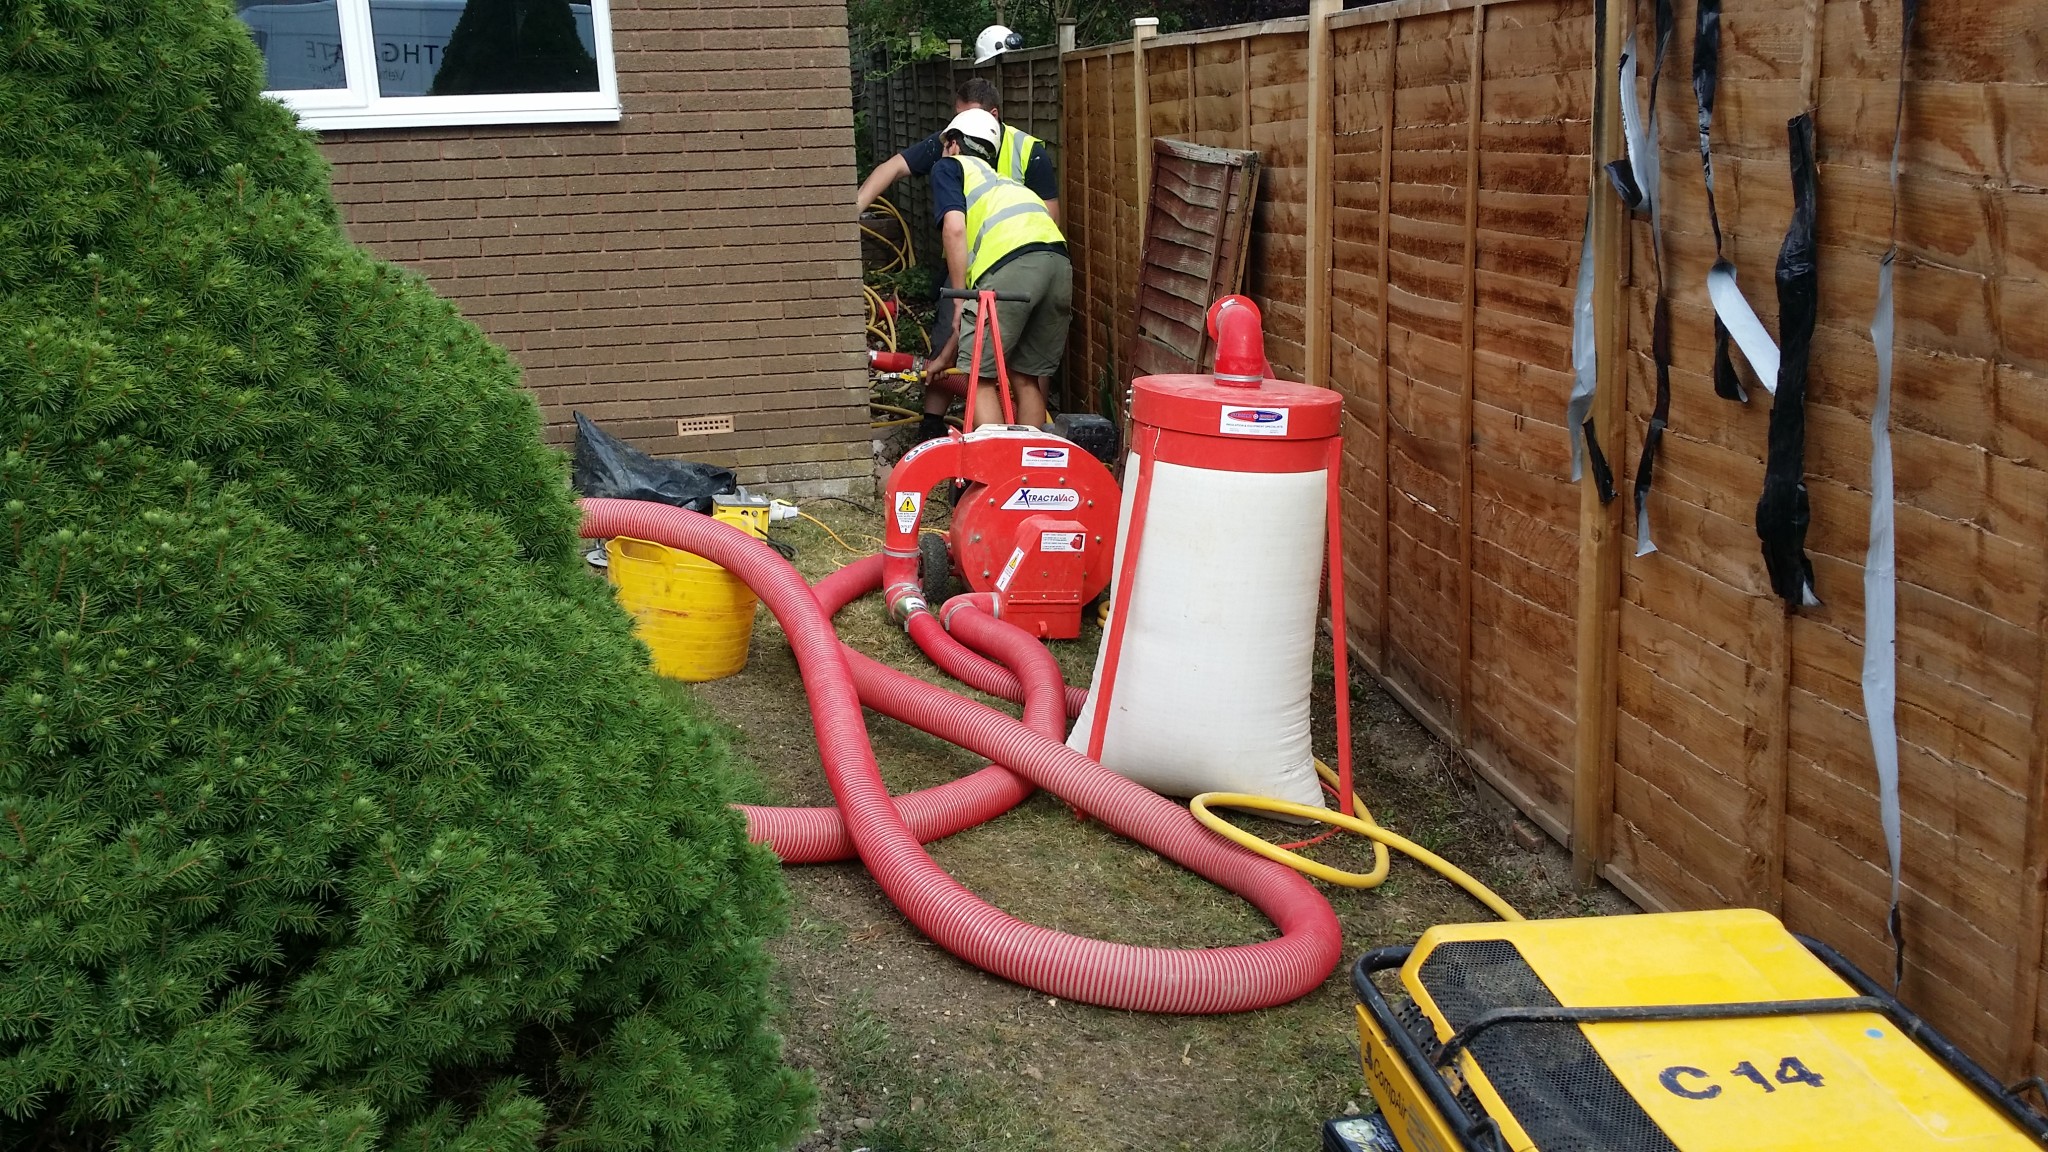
<point x="998" y="235"/>
<point x="1020" y="156"/>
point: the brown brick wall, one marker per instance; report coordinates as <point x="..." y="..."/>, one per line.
<point x="698" y="258"/>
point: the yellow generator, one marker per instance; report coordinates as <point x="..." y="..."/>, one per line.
<point x="1688" y="1032"/>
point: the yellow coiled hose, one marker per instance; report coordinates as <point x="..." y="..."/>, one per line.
<point x="1362" y="824"/>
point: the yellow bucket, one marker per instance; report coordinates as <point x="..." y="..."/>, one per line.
<point x="695" y="617"/>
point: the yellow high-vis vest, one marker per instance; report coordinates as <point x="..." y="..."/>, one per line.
<point x="1002" y="216"/>
<point x="1014" y="155"/>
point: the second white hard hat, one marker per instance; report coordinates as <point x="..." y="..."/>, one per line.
<point x="994" y="41"/>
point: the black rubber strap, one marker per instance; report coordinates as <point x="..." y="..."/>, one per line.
<point x="1603" y="472"/>
<point x="1783" y="512"/>
<point x="1706" y="72"/>
<point x="1660" y="416"/>
<point x="1753" y="1010"/>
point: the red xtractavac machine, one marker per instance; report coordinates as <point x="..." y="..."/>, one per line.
<point x="1034" y="528"/>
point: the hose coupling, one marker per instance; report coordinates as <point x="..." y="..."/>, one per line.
<point x="905" y="600"/>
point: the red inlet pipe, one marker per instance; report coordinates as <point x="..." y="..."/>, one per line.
<point x="1240" y="336"/>
<point x="1091" y="971"/>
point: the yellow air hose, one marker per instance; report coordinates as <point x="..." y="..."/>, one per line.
<point x="879" y="314"/>
<point x="905" y="416"/>
<point x="1362" y="824"/>
<point x="905" y="254"/>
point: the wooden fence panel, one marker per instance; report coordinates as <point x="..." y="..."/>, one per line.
<point x="1742" y="768"/>
<point x="1196" y="231"/>
<point x="1426" y="306"/>
<point x="1276" y="71"/>
<point x="1089" y="208"/>
<point x="1040" y="111"/>
<point x="1126" y="215"/>
<point x="1534" y="137"/>
<point x="1359" y="152"/>
<point x="1219" y="93"/>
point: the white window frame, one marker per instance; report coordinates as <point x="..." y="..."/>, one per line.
<point x="358" y="105"/>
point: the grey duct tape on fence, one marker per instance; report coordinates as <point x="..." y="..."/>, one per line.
<point x="1585" y="372"/>
<point x="1739" y="320"/>
<point x="1880" y="563"/>
<point x="1881" y="607"/>
<point x="1635" y="177"/>
<point x="1585" y="345"/>
<point x="1783" y="512"/>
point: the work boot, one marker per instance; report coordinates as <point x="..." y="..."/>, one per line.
<point x="931" y="428"/>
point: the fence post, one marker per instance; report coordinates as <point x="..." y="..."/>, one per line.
<point x="1143" y="28"/>
<point x="1067" y="34"/>
<point x="1389" y="78"/>
<point x="1474" y="106"/>
<point x="1321" y="146"/>
<point x="953" y="50"/>
<point x="1599" y="623"/>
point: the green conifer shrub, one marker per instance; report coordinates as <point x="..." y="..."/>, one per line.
<point x="338" y="809"/>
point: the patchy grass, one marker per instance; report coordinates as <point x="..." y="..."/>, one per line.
<point x="914" y="1050"/>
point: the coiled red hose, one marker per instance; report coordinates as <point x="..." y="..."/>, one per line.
<point x="1091" y="971"/>
<point x="819" y="836"/>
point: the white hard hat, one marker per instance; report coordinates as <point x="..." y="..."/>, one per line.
<point x="994" y="41"/>
<point x="979" y="124"/>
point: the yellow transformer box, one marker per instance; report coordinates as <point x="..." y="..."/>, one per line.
<point x="1686" y="1032"/>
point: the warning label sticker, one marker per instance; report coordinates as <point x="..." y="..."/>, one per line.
<point x="907" y="506"/>
<point x="1042" y="500"/>
<point x="1045" y="457"/>
<point x="1009" y="570"/>
<point x="1254" y="422"/>
<point x="1062" y="541"/>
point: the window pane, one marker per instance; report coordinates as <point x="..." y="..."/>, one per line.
<point x="300" y="41"/>
<point x="453" y="48"/>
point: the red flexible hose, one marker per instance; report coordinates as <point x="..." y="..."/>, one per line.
<point x="819" y="836"/>
<point x="1092" y="971"/>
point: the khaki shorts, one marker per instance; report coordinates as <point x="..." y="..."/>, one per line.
<point x="1034" y="334"/>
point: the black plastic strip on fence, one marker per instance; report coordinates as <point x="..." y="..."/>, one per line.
<point x="1660" y="317"/>
<point x="1783" y="512"/>
<point x="1585" y="350"/>
<point x="1706" y="71"/>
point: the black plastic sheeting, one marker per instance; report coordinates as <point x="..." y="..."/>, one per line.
<point x="1783" y="513"/>
<point x="1627" y="184"/>
<point x="605" y="465"/>
<point x="1706" y="71"/>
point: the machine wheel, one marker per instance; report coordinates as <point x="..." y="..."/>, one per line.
<point x="935" y="568"/>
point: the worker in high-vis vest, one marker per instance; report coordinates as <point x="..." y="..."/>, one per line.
<point x="1019" y="155"/>
<point x="999" y="235"/>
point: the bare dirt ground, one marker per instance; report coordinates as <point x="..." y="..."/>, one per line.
<point x="914" y="1050"/>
